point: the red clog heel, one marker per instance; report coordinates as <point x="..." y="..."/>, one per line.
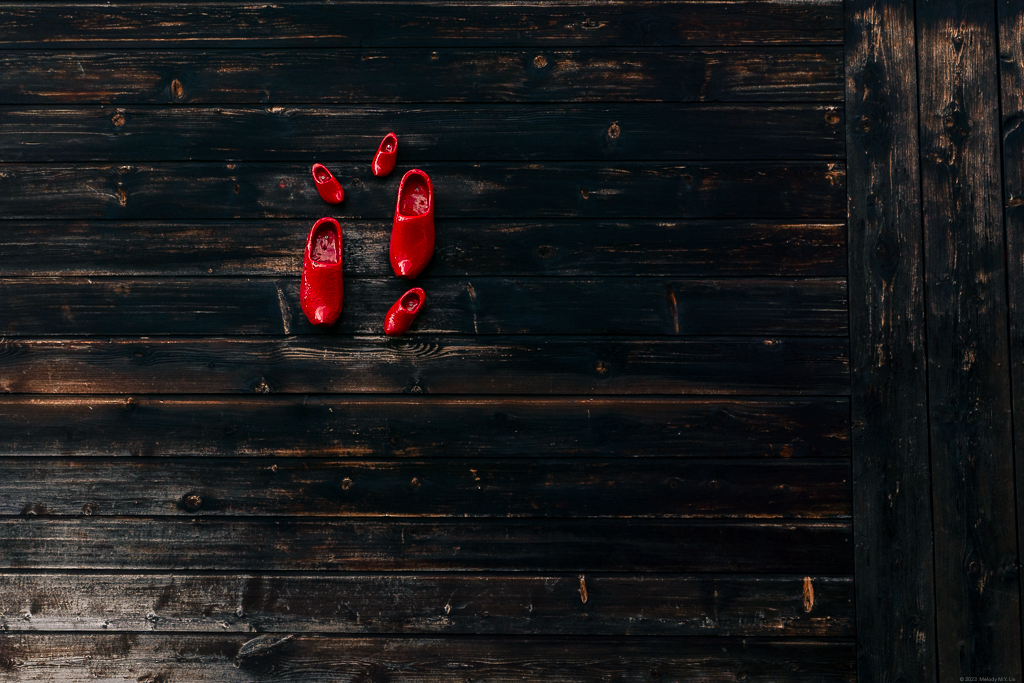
<point x="384" y="159"/>
<point x="403" y="312"/>
<point x="327" y="185"/>
<point x="322" y="289"/>
<point x="412" y="234"/>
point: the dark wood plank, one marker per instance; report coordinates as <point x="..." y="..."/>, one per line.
<point x="519" y="487"/>
<point x="463" y="247"/>
<point x="417" y="427"/>
<point x="466" y="132"/>
<point x="428" y="24"/>
<point x="1011" y="99"/>
<point x="322" y="659"/>
<point x="891" y="485"/>
<point x="266" y="544"/>
<point x="977" y="582"/>
<point x="485" y="305"/>
<point x="651" y="604"/>
<point x="763" y="74"/>
<point x="487" y="190"/>
<point x="448" y="365"/>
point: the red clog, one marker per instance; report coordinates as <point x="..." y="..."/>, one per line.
<point x="322" y="289"/>
<point x="412" y="234"/>
<point x="384" y="159"/>
<point x="403" y="312"/>
<point x="329" y="188"/>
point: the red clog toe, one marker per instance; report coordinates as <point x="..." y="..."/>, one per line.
<point x="327" y="185"/>
<point x="403" y="312"/>
<point x="322" y="290"/>
<point x="384" y="159"/>
<point x="412" y="233"/>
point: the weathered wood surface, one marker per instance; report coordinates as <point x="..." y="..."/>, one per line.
<point x="480" y="306"/>
<point x="637" y="604"/>
<point x="417" y="427"/>
<point x="371" y="544"/>
<point x="322" y="659"/>
<point x="554" y="248"/>
<point x="438" y="23"/>
<point x="488" y="190"/>
<point x="977" y="573"/>
<point x="1011" y="99"/>
<point x="537" y="487"/>
<point x="422" y="364"/>
<point x="891" y="485"/>
<point x="757" y="74"/>
<point x="465" y="132"/>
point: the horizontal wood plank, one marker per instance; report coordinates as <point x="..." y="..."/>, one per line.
<point x="447" y="365"/>
<point x="429" y="24"/>
<point x="653" y="604"/>
<point x="266" y="544"/>
<point x="350" y="76"/>
<point x="417" y="427"/>
<point x="535" y="487"/>
<point x="463" y="247"/>
<point x="322" y="659"/>
<point x="481" y="306"/>
<point x="466" y="132"/>
<point x="489" y="191"/>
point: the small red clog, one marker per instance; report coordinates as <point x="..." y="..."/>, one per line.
<point x="412" y="233"/>
<point x="322" y="290"/>
<point x="403" y="312"/>
<point x="329" y="188"/>
<point x="384" y="159"/>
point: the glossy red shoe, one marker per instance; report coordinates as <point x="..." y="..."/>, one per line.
<point x="384" y="159"/>
<point x="412" y="234"/>
<point x="403" y="312"/>
<point x="329" y="188"/>
<point x="322" y="289"/>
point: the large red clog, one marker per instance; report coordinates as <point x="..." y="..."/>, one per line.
<point x="403" y="312"/>
<point x="412" y="233"/>
<point x="384" y="159"/>
<point x="322" y="290"/>
<point x="327" y="185"/>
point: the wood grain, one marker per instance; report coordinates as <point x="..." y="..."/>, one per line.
<point x="443" y="365"/>
<point x="977" y="584"/>
<point x="403" y="76"/>
<point x="424" y="426"/>
<point x="438" y="23"/>
<point x="448" y="604"/>
<point x="322" y="659"/>
<point x="1011" y="99"/>
<point x="267" y="544"/>
<point x="466" y="132"/>
<point x="556" y="248"/>
<point x="896" y="637"/>
<point x="520" y="487"/>
<point x="489" y="191"/>
<point x="480" y="306"/>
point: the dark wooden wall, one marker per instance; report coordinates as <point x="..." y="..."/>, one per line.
<point x="616" y="444"/>
<point x="936" y="287"/>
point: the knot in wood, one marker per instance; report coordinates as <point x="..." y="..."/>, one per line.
<point x="177" y="89"/>
<point x="832" y="117"/>
<point x="540" y="61"/>
<point x="614" y="131"/>
<point x="118" y="119"/>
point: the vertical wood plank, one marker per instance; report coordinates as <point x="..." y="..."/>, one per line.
<point x="976" y="575"/>
<point x="892" y="509"/>
<point x="1011" y="73"/>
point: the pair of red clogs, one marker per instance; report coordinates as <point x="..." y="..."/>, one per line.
<point x="412" y="244"/>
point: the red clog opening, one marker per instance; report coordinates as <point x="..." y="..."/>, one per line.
<point x="325" y="244"/>
<point x="415" y="197"/>
<point x="411" y="301"/>
<point x="321" y="173"/>
<point x="389" y="143"/>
